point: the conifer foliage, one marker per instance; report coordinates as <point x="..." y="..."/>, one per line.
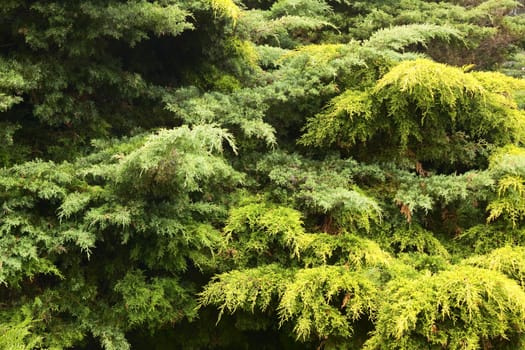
<point x="260" y="174"/>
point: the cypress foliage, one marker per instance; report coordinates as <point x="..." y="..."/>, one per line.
<point x="302" y="174"/>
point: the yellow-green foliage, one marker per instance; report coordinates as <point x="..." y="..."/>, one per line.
<point x="324" y="301"/>
<point x="246" y="50"/>
<point x="352" y="110"/>
<point x="419" y="93"/>
<point x="414" y="238"/>
<point x="276" y="232"/>
<point x="445" y="97"/>
<point x="503" y="85"/>
<point x="424" y="108"/>
<point x="318" y="54"/>
<point x="508" y="160"/>
<point x="226" y="8"/>
<point x="484" y="238"/>
<point x="319" y="301"/>
<point x="17" y="336"/>
<point x="429" y="83"/>
<point x="507" y="260"/>
<point x="246" y="289"/>
<point x="345" y="249"/>
<point x="511" y="200"/>
<point x="508" y="164"/>
<point x="464" y="308"/>
<point x="254" y="229"/>
<point x="335" y="286"/>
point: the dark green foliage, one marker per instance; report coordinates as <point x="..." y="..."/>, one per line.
<point x="74" y="70"/>
<point x="305" y="183"/>
<point x="88" y="223"/>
